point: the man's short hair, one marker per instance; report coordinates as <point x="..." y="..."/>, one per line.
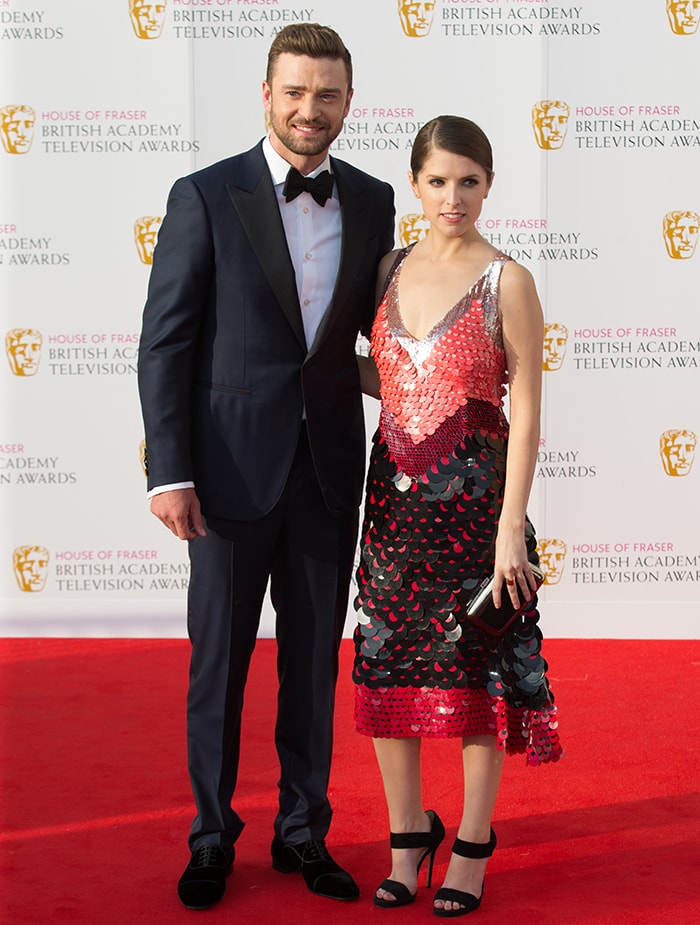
<point x="312" y="40"/>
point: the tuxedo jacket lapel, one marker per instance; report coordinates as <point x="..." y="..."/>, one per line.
<point x="253" y="197"/>
<point x="355" y="215"/>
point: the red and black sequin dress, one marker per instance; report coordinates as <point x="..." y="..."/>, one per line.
<point x="434" y="493"/>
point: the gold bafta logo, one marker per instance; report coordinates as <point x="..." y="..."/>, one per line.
<point x="143" y="457"/>
<point x="550" y="120"/>
<point x="416" y="17"/>
<point x="147" y="18"/>
<point x="683" y="16"/>
<point x="145" y="235"/>
<point x="552" y="555"/>
<point x="31" y="566"/>
<point x="681" y="233"/>
<point x="677" y="451"/>
<point x="413" y="227"/>
<point x="23" y="349"/>
<point x="17" y="128"/>
<point x="554" y="346"/>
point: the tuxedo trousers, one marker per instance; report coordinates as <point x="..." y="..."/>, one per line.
<point x="307" y="554"/>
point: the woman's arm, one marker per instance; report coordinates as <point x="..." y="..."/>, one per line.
<point x="523" y="333"/>
<point x="369" y="376"/>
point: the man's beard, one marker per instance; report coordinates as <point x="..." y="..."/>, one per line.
<point x="306" y="147"/>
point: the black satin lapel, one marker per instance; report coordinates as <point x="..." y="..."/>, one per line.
<point x="259" y="214"/>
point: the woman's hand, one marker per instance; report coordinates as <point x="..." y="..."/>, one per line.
<point x="512" y="571"/>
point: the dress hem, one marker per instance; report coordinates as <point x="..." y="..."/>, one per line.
<point x="397" y="713"/>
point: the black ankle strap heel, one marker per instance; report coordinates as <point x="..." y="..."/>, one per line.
<point x="467" y="901"/>
<point x="430" y="841"/>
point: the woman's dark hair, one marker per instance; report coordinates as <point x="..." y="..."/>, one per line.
<point x="456" y="135"/>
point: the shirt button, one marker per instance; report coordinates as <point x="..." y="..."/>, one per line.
<point x="307" y="256"/>
<point x="307" y="302"/>
<point x="306" y="210"/>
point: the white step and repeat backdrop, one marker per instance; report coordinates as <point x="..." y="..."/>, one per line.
<point x="593" y="109"/>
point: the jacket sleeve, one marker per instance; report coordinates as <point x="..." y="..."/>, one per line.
<point x="178" y="292"/>
<point x="386" y="237"/>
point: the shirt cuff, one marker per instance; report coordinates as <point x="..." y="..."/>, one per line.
<point x="159" y="489"/>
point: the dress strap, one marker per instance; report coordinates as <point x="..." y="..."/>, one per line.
<point x="398" y="260"/>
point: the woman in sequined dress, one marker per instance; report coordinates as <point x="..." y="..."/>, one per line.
<point x="447" y="489"/>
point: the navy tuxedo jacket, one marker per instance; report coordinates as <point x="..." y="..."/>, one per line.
<point x="224" y="371"/>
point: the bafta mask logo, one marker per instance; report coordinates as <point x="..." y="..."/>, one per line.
<point x="681" y="233"/>
<point x="23" y="349"/>
<point x="683" y="16"/>
<point x="143" y="457"/>
<point x="145" y="235"/>
<point x="147" y="18"/>
<point x="416" y="17"/>
<point x="17" y="128"/>
<point x="554" y="346"/>
<point x="31" y="565"/>
<point x="412" y="228"/>
<point x="677" y="450"/>
<point x="550" y="120"/>
<point x="552" y="555"/>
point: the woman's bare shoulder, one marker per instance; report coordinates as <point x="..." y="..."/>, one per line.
<point x="515" y="278"/>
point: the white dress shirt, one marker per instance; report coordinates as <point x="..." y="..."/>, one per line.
<point x="313" y="235"/>
<point x="314" y="238"/>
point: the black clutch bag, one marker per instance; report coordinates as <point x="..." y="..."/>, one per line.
<point x="496" y="621"/>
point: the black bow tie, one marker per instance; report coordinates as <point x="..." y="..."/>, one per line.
<point x="320" y="187"/>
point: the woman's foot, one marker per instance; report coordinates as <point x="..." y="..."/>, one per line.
<point x="408" y="852"/>
<point x="403" y="871"/>
<point x="463" y="887"/>
<point x="464" y="875"/>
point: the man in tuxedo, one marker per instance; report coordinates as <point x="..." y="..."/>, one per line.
<point x="262" y="276"/>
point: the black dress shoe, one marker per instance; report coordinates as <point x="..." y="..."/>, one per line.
<point x="311" y="859"/>
<point x="203" y="883"/>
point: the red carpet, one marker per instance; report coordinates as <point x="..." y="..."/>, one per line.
<point x="96" y="802"/>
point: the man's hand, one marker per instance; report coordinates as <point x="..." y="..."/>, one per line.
<point x="179" y="510"/>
